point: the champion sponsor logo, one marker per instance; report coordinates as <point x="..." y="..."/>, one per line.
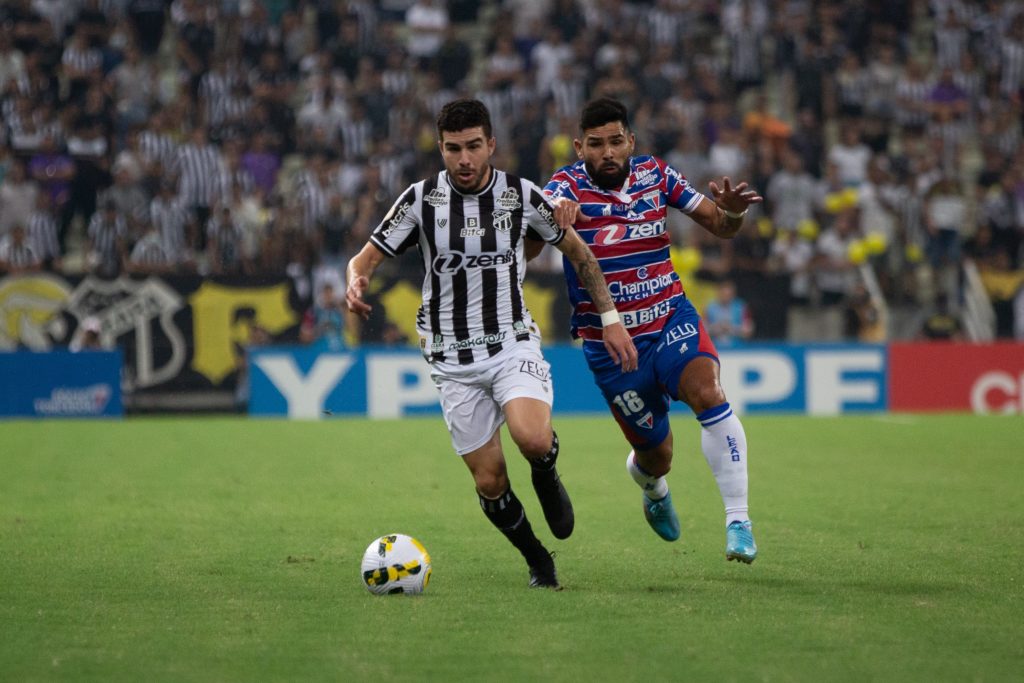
<point x="483" y="340"/>
<point x="617" y="232"/>
<point x="634" y="291"/>
<point x="734" y="450"/>
<point x="454" y="261"/>
<point x="437" y="197"/>
<point x="647" y="421"/>
<point x="509" y="199"/>
<point x="535" y="369"/>
<point x="641" y="272"/>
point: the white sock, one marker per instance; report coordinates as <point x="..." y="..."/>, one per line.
<point x="725" y="448"/>
<point x="655" y="488"/>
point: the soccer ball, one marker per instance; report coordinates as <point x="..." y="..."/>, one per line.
<point x="396" y="563"/>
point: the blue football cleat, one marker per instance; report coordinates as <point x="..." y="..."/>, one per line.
<point x="661" y="515"/>
<point x="739" y="542"/>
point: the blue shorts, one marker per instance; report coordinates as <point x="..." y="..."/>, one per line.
<point x="640" y="400"/>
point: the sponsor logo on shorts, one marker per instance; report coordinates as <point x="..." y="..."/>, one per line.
<point x="680" y="332"/>
<point x="482" y="340"/>
<point x="535" y="369"/>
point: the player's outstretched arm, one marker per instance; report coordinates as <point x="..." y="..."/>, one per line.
<point x="360" y="270"/>
<point x="616" y="339"/>
<point x="723" y="217"/>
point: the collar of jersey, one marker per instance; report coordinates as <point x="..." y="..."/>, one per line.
<point x="489" y="185"/>
<point x="619" y="194"/>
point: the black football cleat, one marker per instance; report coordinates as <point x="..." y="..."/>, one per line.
<point x="542" y="574"/>
<point x="554" y="500"/>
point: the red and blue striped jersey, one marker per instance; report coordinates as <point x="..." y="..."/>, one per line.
<point x="628" y="234"/>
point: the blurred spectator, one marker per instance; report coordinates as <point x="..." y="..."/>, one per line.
<point x="850" y="156"/>
<point x="150" y="255"/>
<point x="224" y="238"/>
<point x="41" y="227"/>
<point x="863" y="322"/>
<point x="17" y="255"/>
<point x="107" y="241"/>
<point x="791" y="194"/>
<point x="835" y="274"/>
<point x="324" y="323"/>
<point x="946" y="221"/>
<point x="17" y="197"/>
<point x="728" y="317"/>
<point x="87" y="336"/>
<point x="425" y="21"/>
<point x="941" y="323"/>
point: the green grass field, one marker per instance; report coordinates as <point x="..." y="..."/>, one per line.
<point x="229" y="550"/>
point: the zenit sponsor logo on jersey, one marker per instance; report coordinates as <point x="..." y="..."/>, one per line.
<point x="634" y="291"/>
<point x="453" y="262"/>
<point x="483" y="340"/>
<point x="646" y="315"/>
<point x="615" y="233"/>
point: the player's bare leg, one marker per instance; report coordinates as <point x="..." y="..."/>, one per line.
<point x="648" y="468"/>
<point x="725" y="448"/>
<point x="505" y="511"/>
<point x="529" y="424"/>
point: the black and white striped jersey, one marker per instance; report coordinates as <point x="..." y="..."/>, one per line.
<point x="473" y="257"/>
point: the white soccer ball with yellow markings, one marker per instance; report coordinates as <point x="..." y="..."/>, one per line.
<point x="396" y="563"/>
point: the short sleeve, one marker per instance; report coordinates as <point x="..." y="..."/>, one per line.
<point x="397" y="230"/>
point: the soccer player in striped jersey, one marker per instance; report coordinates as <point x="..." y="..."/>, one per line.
<point x="621" y="202"/>
<point x="469" y="223"/>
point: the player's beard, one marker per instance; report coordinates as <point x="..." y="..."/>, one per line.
<point x="476" y="183"/>
<point x="609" y="176"/>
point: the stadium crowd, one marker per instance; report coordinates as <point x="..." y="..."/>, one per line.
<point x="270" y="136"/>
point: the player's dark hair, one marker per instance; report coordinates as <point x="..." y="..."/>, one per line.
<point x="462" y="114"/>
<point x="601" y="111"/>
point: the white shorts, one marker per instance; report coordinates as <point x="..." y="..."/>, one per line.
<point x="472" y="395"/>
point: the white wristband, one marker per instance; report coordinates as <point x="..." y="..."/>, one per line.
<point x="610" y="318"/>
<point x="730" y="214"/>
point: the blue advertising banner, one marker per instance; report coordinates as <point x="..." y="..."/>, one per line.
<point x="60" y="384"/>
<point x="308" y="383"/>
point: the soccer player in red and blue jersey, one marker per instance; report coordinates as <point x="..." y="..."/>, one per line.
<point x="622" y="203"/>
